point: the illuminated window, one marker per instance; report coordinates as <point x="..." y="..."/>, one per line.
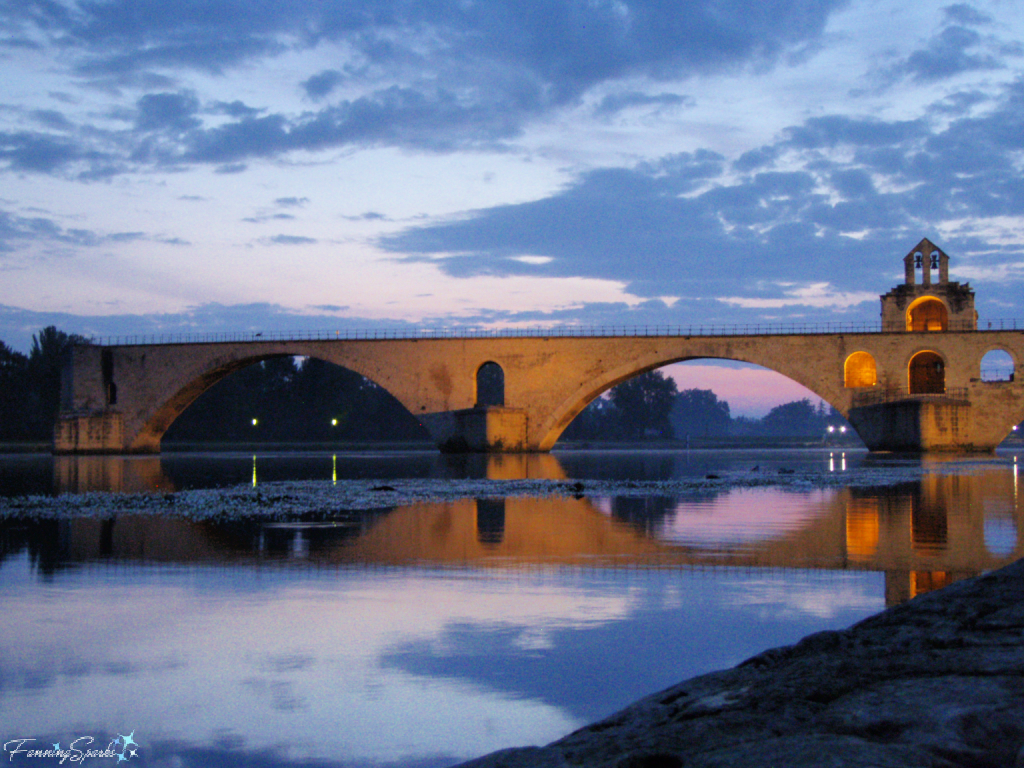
<point x="860" y="370"/>
<point x="927" y="315"/>
<point x="927" y="374"/>
<point x="926" y="581"/>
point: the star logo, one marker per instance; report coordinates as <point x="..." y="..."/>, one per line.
<point x="128" y="746"/>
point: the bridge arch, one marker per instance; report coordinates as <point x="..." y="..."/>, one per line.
<point x="572" y="406"/>
<point x="183" y="392"/>
<point x="928" y="313"/>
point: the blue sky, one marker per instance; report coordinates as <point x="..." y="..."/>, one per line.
<point x="294" y="164"/>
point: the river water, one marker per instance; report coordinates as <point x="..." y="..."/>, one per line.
<point x="431" y="632"/>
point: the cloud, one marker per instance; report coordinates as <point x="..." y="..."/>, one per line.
<point x="291" y="202"/>
<point x="819" y="295"/>
<point x="268" y="217"/>
<point x="290" y="240"/>
<point x="433" y="77"/>
<point x="322" y="84"/>
<point x="17" y="232"/>
<point x="235" y="109"/>
<point x="617" y="102"/>
<point x="955" y="49"/>
<point x="855" y="194"/>
<point x="17" y="325"/>
<point x="564" y="43"/>
<point x="51" y="118"/>
<point x="947" y="54"/>
<point x="174" y="112"/>
<point x="41" y="152"/>
<point x="963" y="13"/>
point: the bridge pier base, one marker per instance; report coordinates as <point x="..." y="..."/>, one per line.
<point x="89" y="432"/>
<point x="484" y="429"/>
<point x="918" y="426"/>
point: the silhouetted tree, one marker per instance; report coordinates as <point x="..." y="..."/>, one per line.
<point x="644" y="404"/>
<point x="595" y="422"/>
<point x="50" y="350"/>
<point x="14" y="395"/>
<point x="792" y="419"/>
<point x="633" y="410"/>
<point x="699" y="412"/>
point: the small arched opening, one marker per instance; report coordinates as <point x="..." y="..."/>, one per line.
<point x="927" y="314"/>
<point x="926" y="374"/>
<point x="860" y="370"/>
<point x="490" y="385"/>
<point x="997" y="365"/>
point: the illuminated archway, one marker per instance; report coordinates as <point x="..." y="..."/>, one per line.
<point x="490" y="385"/>
<point x="926" y="374"/>
<point x="927" y="314"/>
<point x="860" y="371"/>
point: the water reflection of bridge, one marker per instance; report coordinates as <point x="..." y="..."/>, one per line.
<point x="921" y="534"/>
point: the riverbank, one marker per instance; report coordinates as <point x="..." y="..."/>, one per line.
<point x="937" y="681"/>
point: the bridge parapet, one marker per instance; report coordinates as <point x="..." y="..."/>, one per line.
<point x="558" y="332"/>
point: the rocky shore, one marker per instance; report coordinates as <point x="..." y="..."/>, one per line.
<point x="937" y="681"/>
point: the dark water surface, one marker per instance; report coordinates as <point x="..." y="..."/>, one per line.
<point x="430" y="633"/>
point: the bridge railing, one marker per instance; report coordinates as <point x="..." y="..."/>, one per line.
<point x="878" y="395"/>
<point x="571" y="331"/>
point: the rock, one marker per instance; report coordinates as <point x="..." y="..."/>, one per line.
<point x="937" y="681"/>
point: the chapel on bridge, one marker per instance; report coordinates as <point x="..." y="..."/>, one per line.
<point x="927" y="305"/>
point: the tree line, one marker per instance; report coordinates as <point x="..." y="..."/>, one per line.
<point x="30" y="386"/>
<point x="304" y="399"/>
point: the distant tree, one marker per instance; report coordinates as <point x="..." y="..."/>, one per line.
<point x="595" y="422"/>
<point x="14" y="395"/>
<point x="643" y="404"/>
<point x="797" y="418"/>
<point x="50" y="350"/>
<point x="699" y="412"/>
<point x="745" y="426"/>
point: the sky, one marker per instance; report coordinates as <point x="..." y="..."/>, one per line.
<point x="218" y="165"/>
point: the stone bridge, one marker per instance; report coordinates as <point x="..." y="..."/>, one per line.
<point x="914" y="384"/>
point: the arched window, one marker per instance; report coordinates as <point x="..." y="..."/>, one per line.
<point x="860" y="370"/>
<point x="927" y="315"/>
<point x="997" y="365"/>
<point x="490" y="385"/>
<point x="927" y="374"/>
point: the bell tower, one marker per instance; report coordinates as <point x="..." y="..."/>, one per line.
<point x="934" y="303"/>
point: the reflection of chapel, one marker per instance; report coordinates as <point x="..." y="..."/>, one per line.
<point x="927" y="305"/>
